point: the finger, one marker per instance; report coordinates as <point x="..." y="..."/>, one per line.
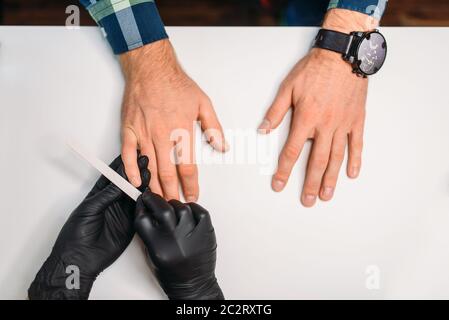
<point x="333" y="168"/>
<point x="142" y="222"/>
<point x="277" y="110"/>
<point x="316" y="167"/>
<point x="111" y="192"/>
<point x="168" y="176"/>
<point x="212" y="127"/>
<point x="160" y="210"/>
<point x="355" y="152"/>
<point x="142" y="163"/>
<point x="147" y="148"/>
<point x="199" y="213"/>
<point x="129" y="156"/>
<point x="188" y="174"/>
<point x="187" y="169"/>
<point x="145" y="174"/>
<point x="289" y="155"/>
<point x="106" y="197"/>
<point x="184" y="215"/>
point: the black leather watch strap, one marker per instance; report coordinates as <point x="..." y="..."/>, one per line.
<point x="332" y="40"/>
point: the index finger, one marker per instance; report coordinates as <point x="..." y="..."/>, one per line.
<point x="289" y="155"/>
<point x="129" y="156"/>
<point x="160" y="210"/>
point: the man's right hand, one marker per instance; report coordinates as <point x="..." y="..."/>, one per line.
<point x="160" y="98"/>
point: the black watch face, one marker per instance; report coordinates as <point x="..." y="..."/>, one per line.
<point x="371" y="53"/>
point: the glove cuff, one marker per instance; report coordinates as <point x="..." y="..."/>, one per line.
<point x="55" y="281"/>
<point x="200" y="288"/>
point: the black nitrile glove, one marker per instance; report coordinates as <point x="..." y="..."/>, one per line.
<point x="180" y="241"/>
<point x="94" y="236"/>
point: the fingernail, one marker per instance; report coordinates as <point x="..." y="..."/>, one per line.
<point x="354" y="172"/>
<point x="328" y="192"/>
<point x="264" y="127"/>
<point x="190" y="199"/>
<point x="309" y="199"/>
<point x="278" y="185"/>
<point x="219" y="145"/>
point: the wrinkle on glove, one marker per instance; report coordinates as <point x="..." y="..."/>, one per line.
<point x="181" y="245"/>
<point x="93" y="237"/>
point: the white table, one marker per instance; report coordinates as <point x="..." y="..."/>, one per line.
<point x="392" y="222"/>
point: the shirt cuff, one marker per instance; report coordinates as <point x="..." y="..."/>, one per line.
<point x="128" y="24"/>
<point x="374" y="8"/>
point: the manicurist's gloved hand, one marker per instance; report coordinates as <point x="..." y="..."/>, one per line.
<point x="94" y="236"/>
<point x="181" y="244"/>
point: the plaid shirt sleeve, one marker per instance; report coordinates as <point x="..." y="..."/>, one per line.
<point x="375" y="8"/>
<point x="127" y="24"/>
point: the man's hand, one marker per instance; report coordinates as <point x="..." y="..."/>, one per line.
<point x="328" y="103"/>
<point x="160" y="98"/>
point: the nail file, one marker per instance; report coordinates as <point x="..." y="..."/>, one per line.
<point x="105" y="170"/>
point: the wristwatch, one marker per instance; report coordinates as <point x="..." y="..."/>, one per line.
<point x="365" y="51"/>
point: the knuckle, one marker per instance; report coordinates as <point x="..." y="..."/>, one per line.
<point x="310" y="100"/>
<point x="291" y="153"/>
<point x="338" y="154"/>
<point x="329" y="119"/>
<point x="358" y="145"/>
<point x="203" y="215"/>
<point x="131" y="168"/>
<point x="320" y="162"/>
<point x="187" y="171"/>
<point x="167" y="176"/>
<point x="184" y="210"/>
<point x="284" y="86"/>
<point x="306" y="117"/>
<point x="166" y="214"/>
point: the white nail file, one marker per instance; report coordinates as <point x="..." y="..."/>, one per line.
<point x="105" y="170"/>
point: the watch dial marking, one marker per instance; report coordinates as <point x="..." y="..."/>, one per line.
<point x="372" y="52"/>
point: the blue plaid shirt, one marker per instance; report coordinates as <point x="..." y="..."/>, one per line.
<point x="130" y="24"/>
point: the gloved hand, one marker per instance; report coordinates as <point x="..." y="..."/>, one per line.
<point x="181" y="244"/>
<point x="94" y="236"/>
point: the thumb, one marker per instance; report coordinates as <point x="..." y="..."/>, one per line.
<point x="106" y="197"/>
<point x="277" y="110"/>
<point x="212" y="127"/>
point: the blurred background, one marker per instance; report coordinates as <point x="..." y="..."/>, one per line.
<point x="230" y="12"/>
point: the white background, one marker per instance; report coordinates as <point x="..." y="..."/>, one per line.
<point x="57" y="83"/>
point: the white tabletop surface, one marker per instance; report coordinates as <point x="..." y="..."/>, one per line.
<point x="392" y="222"/>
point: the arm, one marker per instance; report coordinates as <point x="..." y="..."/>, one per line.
<point x="159" y="99"/>
<point x="181" y="245"/>
<point x="328" y="103"/>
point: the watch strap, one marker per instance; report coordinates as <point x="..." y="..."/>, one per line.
<point x="332" y="40"/>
